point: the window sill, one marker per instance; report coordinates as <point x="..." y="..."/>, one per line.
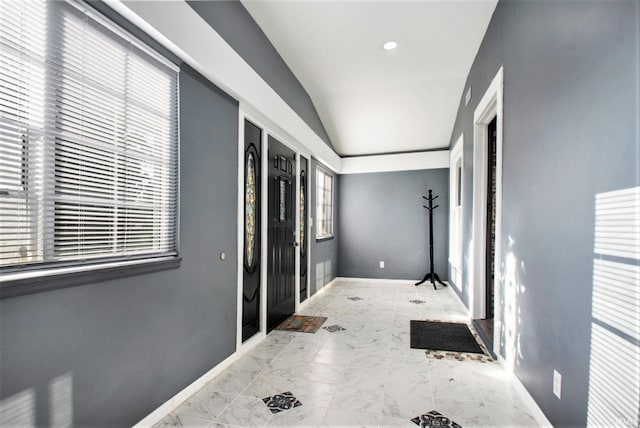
<point x="19" y="284"/>
<point x="324" y="238"/>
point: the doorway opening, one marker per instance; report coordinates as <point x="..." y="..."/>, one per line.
<point x="486" y="324"/>
<point x="484" y="290"/>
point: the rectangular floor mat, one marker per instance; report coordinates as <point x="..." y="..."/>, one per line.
<point x="302" y="323"/>
<point x="443" y="336"/>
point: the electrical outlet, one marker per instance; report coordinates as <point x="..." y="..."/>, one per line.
<point x="557" y="384"/>
<point x="381" y="264"/>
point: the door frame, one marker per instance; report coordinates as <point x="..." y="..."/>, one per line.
<point x="300" y="304"/>
<point x="490" y="106"/>
<point x="269" y="128"/>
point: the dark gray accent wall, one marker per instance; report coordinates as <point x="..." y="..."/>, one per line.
<point x="233" y="23"/>
<point x="324" y="253"/>
<point x="382" y="219"/>
<point x="121" y="348"/>
<point x="570" y="132"/>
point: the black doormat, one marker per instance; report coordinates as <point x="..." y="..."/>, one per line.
<point x="443" y="336"/>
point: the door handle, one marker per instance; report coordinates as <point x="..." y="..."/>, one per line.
<point x="295" y="244"/>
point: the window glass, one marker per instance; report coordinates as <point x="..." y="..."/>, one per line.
<point x="88" y="138"/>
<point x="324" y="204"/>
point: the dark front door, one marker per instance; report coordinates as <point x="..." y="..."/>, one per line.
<point x="303" y="228"/>
<point x="251" y="258"/>
<point x="491" y="215"/>
<point x="281" y="266"/>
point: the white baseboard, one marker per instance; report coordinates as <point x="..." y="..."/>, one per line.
<point x="174" y="402"/>
<point x="318" y="292"/>
<point x="528" y="400"/>
<point x="378" y="280"/>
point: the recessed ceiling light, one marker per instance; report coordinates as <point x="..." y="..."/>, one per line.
<point x="390" y="45"/>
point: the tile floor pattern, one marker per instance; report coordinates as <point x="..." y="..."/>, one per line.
<point x="434" y="419"/>
<point x="334" y="328"/>
<point x="364" y="376"/>
<point x="281" y="402"/>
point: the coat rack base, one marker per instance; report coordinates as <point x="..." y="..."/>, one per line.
<point x="433" y="277"/>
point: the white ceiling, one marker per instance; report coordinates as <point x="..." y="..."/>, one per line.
<point x="373" y="101"/>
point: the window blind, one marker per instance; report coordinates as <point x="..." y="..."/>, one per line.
<point x="89" y="139"/>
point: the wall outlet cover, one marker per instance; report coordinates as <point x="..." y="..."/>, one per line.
<point x="381" y="264"/>
<point x="557" y="384"/>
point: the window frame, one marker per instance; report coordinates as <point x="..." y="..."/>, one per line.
<point x="456" y="203"/>
<point x="50" y="273"/>
<point x="321" y="234"/>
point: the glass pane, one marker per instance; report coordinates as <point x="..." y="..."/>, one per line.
<point x="459" y="185"/>
<point x="283" y="200"/>
<point x="303" y="223"/>
<point x="250" y="212"/>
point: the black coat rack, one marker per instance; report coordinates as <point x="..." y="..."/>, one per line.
<point x="431" y="275"/>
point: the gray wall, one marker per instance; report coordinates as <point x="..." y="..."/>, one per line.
<point x="570" y="132"/>
<point x="125" y="346"/>
<point x="324" y="253"/>
<point x="120" y="348"/>
<point x="234" y="24"/>
<point x="381" y="218"/>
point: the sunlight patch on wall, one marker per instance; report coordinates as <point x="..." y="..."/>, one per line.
<point x="468" y="267"/>
<point x="61" y="401"/>
<point x="614" y="393"/>
<point x="18" y="410"/>
<point x="614" y="370"/>
<point x="618" y="223"/>
<point x="513" y="286"/>
<point x="616" y="294"/>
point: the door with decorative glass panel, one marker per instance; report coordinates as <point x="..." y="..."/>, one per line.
<point x="251" y="259"/>
<point x="282" y="234"/>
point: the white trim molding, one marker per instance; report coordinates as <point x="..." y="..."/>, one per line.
<point x="380" y="280"/>
<point x="456" y="213"/>
<point x="174" y="402"/>
<point x="240" y="232"/>
<point x="528" y="400"/>
<point x="490" y="106"/>
<point x="397" y="162"/>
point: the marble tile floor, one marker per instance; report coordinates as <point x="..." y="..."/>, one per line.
<point x="362" y="375"/>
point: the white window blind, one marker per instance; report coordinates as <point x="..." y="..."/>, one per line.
<point x="324" y="204"/>
<point x="88" y="139"/>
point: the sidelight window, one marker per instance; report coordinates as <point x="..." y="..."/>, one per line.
<point x="324" y="204"/>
